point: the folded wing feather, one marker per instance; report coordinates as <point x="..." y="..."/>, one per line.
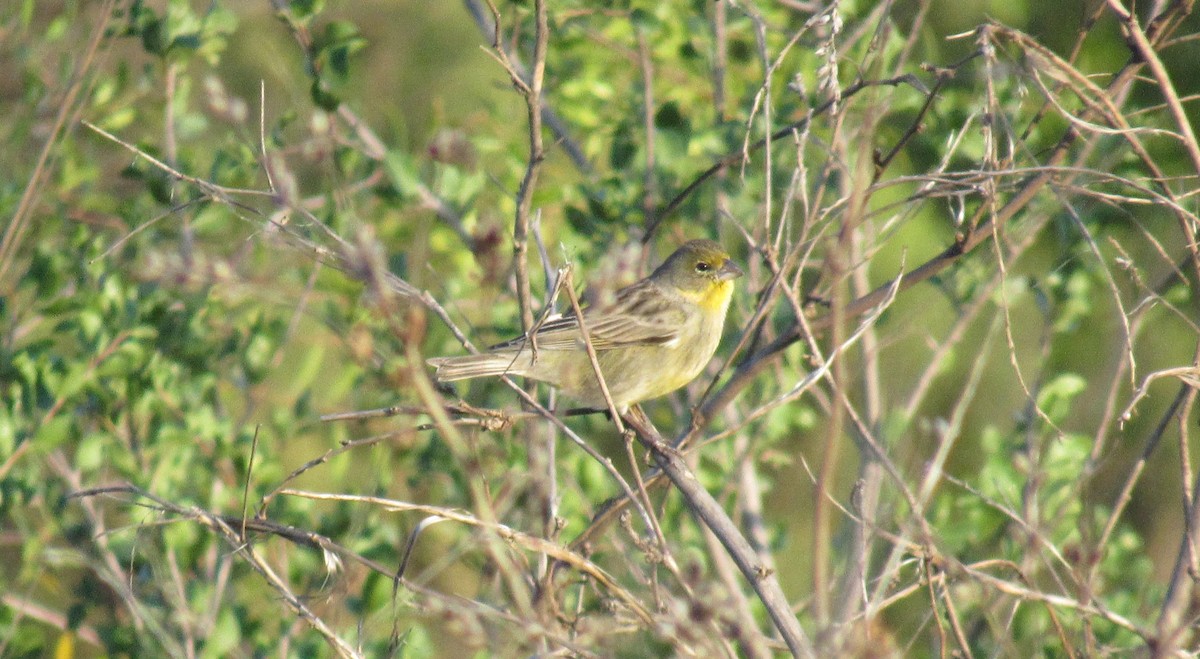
<point x="637" y="318"/>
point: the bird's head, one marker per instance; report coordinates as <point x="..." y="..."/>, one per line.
<point x="701" y="270"/>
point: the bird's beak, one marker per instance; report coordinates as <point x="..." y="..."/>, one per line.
<point x="729" y="271"/>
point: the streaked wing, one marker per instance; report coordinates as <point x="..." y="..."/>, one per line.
<point x="642" y="315"/>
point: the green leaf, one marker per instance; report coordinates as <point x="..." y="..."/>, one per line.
<point x="54" y="432"/>
<point x="1056" y="396"/>
<point x="402" y="171"/>
<point x="623" y="149"/>
<point x="670" y="117"/>
<point x="224" y="637"/>
<point x="90" y="452"/>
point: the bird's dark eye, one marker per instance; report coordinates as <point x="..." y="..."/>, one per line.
<point x="703" y="267"/>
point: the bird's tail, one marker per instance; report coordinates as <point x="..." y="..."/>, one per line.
<point x="450" y="369"/>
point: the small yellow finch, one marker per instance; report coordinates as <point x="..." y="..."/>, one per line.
<point x="655" y="338"/>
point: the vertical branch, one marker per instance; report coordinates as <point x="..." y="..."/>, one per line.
<point x="870" y="476"/>
<point x="838" y="264"/>
<point x="750" y="641"/>
<point x="530" y="87"/>
<point x="720" y="58"/>
<point x="649" y="188"/>
<point x="532" y="91"/>
<point x="533" y="104"/>
<point x="750" y="497"/>
<point x="551" y="524"/>
<point x="831" y="453"/>
<point x="1174" y="621"/>
<point x="760" y="38"/>
<point x="720" y="94"/>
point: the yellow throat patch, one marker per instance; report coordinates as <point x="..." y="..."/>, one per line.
<point x="715" y="297"/>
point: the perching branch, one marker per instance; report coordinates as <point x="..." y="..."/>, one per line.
<point x="707" y="510"/>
